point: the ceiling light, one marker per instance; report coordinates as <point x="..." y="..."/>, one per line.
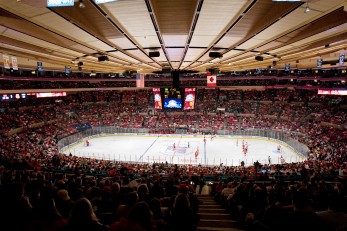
<point x="104" y="1"/>
<point x="307" y="8"/>
<point x="81" y="5"/>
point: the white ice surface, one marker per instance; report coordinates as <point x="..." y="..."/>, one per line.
<point x="151" y="148"/>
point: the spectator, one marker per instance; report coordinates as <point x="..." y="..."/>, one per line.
<point x="343" y="173"/>
<point x="334" y="218"/>
<point x="182" y="214"/>
<point x="193" y="200"/>
<point x="123" y="210"/>
<point x="201" y="183"/>
<point x="16" y="210"/>
<point x="143" y="193"/>
<point x="83" y="218"/>
<point x="115" y="196"/>
<point x="303" y="216"/>
<point x="140" y="219"/>
<point x="47" y="216"/>
<point x="64" y="203"/>
<point x="158" y="216"/>
<point x="227" y="191"/>
<point x="157" y="191"/>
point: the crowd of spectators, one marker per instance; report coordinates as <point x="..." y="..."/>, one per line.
<point x="107" y="82"/>
<point x="42" y="189"/>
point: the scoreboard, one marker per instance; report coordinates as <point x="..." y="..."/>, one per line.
<point x="174" y="98"/>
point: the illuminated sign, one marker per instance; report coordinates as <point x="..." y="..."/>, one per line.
<point x="57" y="3"/>
<point x="13" y="96"/>
<point x="189" y="100"/>
<point x="103" y="1"/>
<point x="332" y="92"/>
<point x="50" y="94"/>
<point x="157" y="98"/>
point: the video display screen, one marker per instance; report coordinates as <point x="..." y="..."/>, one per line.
<point x="341" y="59"/>
<point x="319" y="63"/>
<point x="174" y="98"/>
<point x="332" y="92"/>
<point x="172" y="103"/>
<point x="189" y="98"/>
<point x="157" y="98"/>
<point x="39" y="66"/>
<point x="14" y="96"/>
<point x="67" y="70"/>
<point x="50" y="94"/>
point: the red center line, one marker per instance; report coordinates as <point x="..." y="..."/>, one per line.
<point x="178" y="144"/>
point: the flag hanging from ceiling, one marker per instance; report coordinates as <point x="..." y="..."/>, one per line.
<point x="140" y="80"/>
<point x="211" y="80"/>
<point x="6" y="59"/>
<point x="14" y="63"/>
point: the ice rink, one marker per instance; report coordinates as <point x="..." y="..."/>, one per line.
<point x="184" y="149"/>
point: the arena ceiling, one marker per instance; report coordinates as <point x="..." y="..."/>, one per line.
<point x="184" y="32"/>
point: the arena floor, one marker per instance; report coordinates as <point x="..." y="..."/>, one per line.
<point x="183" y="149"/>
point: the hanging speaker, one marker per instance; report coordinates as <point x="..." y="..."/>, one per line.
<point x="154" y="54"/>
<point x="259" y="58"/>
<point x="102" y="58"/>
<point x="215" y="55"/>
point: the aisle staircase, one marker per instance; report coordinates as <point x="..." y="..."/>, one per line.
<point x="213" y="217"/>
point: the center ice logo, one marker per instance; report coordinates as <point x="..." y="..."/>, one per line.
<point x="157" y="97"/>
<point x="190" y="97"/>
<point x="182" y="149"/>
<point x="172" y="103"/>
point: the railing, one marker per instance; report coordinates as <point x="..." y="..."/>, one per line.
<point x="96" y="131"/>
<point x="271" y="134"/>
<point x="281" y="137"/>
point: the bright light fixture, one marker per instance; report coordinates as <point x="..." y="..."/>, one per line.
<point x="307" y="8"/>
<point x="104" y="1"/>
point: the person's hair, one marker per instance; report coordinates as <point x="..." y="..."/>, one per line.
<point x="131" y="198"/>
<point x="335" y="202"/>
<point x="47" y="209"/>
<point x="15" y="190"/>
<point x="142" y="215"/>
<point x="181" y="201"/>
<point x="82" y="212"/>
<point x="155" y="206"/>
<point x="94" y="192"/>
<point x="142" y="189"/>
<point x="115" y="188"/>
<point x="300" y="198"/>
<point x="125" y="181"/>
